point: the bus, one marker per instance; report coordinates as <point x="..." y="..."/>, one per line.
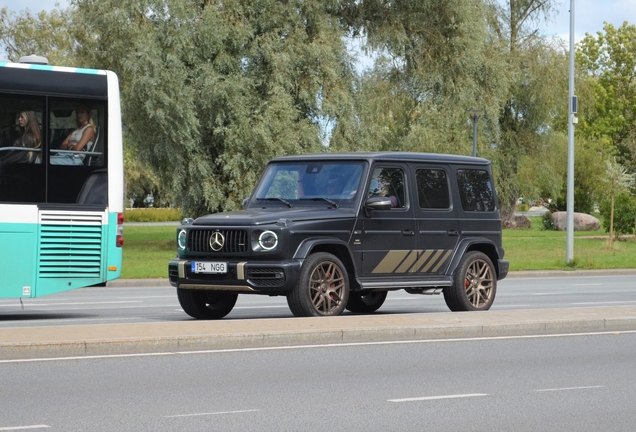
<point x="61" y="226"/>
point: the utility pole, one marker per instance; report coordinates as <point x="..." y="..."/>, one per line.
<point x="569" y="252"/>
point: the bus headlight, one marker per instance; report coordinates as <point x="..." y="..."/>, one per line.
<point x="182" y="239"/>
<point x="268" y="240"/>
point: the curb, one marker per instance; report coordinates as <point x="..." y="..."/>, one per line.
<point x="299" y="332"/>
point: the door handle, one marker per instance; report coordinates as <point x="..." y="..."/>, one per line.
<point x="408" y="232"/>
<point x="452" y="232"/>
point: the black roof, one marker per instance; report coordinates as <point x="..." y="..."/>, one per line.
<point x="388" y="156"/>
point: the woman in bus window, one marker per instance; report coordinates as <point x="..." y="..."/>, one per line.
<point x="30" y="138"/>
<point x="80" y="139"/>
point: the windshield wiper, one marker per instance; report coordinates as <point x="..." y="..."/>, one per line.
<point x="276" y="199"/>
<point x="333" y="203"/>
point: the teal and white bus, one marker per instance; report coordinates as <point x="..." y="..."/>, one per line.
<point x="61" y="226"/>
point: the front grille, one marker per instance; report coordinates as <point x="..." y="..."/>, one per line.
<point x="235" y="241"/>
<point x="266" y="277"/>
<point x="70" y="245"/>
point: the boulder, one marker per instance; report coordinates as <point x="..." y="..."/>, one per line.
<point x="582" y="221"/>
<point x="517" y="222"/>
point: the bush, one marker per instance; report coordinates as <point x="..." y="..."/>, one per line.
<point x="547" y="223"/>
<point x="153" y="215"/>
<point x="523" y="208"/>
<point x="624" y="214"/>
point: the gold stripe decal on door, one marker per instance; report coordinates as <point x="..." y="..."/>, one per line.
<point x="408" y="262"/>
<point x="441" y="261"/>
<point x="420" y="262"/>
<point x="405" y="261"/>
<point x="390" y="261"/>
<point x="432" y="261"/>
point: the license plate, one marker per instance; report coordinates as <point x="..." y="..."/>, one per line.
<point x="208" y="267"/>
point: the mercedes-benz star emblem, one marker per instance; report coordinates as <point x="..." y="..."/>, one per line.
<point x="217" y="241"/>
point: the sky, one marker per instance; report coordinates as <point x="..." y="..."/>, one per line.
<point x="589" y="14"/>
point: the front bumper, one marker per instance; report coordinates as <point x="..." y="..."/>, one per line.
<point x="242" y="276"/>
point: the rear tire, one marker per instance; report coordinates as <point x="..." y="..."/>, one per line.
<point x="322" y="288"/>
<point x="366" y="302"/>
<point x="474" y="284"/>
<point x="206" y="305"/>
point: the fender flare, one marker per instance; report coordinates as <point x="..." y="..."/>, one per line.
<point x="306" y="246"/>
<point x="464" y="245"/>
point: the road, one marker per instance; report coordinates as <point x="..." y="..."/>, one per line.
<point x="159" y="304"/>
<point x="559" y="382"/>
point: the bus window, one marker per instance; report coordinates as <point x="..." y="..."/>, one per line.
<point x="77" y="133"/>
<point x="21" y="142"/>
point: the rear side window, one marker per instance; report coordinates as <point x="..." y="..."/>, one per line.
<point x="476" y="190"/>
<point x="432" y="189"/>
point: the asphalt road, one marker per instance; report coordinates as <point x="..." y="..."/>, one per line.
<point x="159" y="304"/>
<point x="548" y="383"/>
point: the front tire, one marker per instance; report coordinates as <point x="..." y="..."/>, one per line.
<point x="322" y="288"/>
<point x="474" y="284"/>
<point x="366" y="302"/>
<point x="206" y="305"/>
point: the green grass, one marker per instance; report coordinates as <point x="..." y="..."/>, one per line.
<point x="148" y="249"/>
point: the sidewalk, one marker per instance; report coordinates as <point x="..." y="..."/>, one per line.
<point x="174" y="337"/>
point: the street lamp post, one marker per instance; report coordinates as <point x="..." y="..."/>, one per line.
<point x="475" y="114"/>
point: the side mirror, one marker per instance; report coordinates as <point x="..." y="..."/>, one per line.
<point x="245" y="202"/>
<point x="377" y="203"/>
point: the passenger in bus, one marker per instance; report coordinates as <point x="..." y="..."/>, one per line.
<point x="30" y="138"/>
<point x="80" y="139"/>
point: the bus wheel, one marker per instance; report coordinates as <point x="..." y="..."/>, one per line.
<point x="474" y="286"/>
<point x="322" y="288"/>
<point x="366" y="302"/>
<point x="206" y="305"/>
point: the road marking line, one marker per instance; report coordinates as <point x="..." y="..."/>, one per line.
<point x="607" y="302"/>
<point x="212" y="413"/>
<point x="430" y="398"/>
<point x="569" y="388"/>
<point x="12" y="428"/>
<point x="333" y="345"/>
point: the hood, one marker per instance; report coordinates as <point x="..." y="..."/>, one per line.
<point x="271" y="216"/>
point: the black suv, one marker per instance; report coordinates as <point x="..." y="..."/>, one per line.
<point x="338" y="231"/>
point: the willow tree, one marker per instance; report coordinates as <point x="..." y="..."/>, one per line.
<point x="212" y="90"/>
<point x="537" y="70"/>
<point x="42" y="33"/>
<point x="435" y="61"/>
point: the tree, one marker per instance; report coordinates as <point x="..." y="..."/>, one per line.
<point x="537" y="93"/>
<point x="617" y="180"/>
<point x="435" y="62"/>
<point x="211" y="91"/>
<point x="45" y="33"/>
<point x="609" y="60"/>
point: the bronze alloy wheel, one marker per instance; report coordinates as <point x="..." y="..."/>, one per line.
<point x="326" y="287"/>
<point x="475" y="284"/>
<point x="322" y="288"/>
<point x="479" y="283"/>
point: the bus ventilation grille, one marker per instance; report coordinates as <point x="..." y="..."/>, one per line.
<point x="70" y="245"/>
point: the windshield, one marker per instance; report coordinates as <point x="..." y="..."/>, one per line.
<point x="304" y="183"/>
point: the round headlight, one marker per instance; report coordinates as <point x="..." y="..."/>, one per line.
<point x="182" y="239"/>
<point x="268" y="240"/>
